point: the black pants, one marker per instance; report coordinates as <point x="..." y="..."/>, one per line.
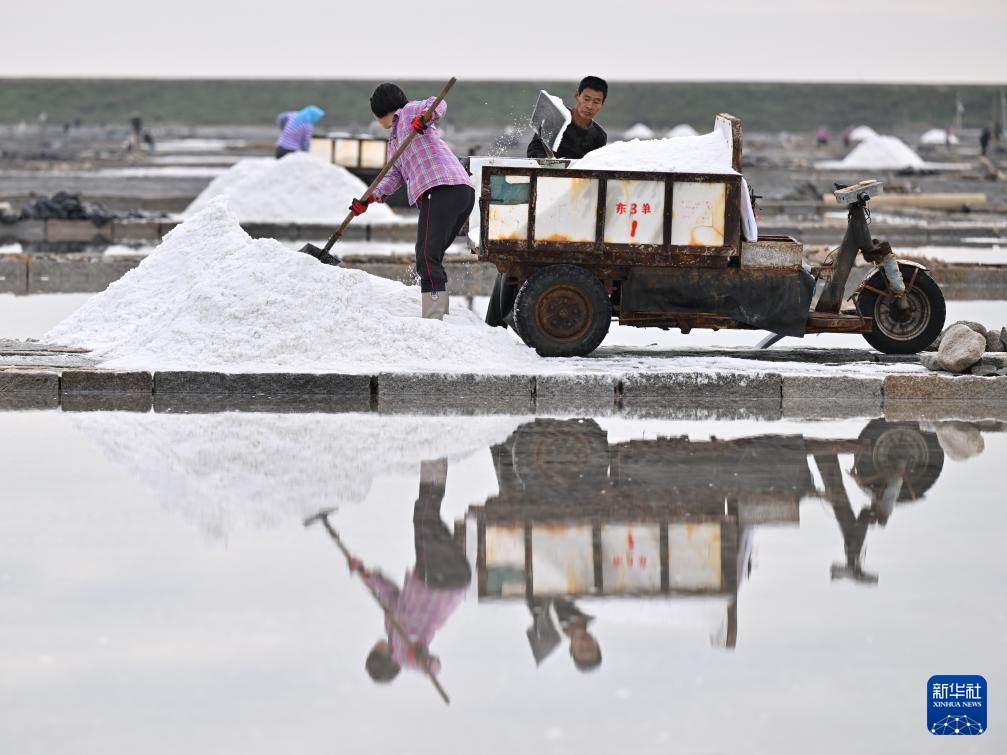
<point x="440" y="561"/>
<point x="443" y="212"/>
<point x="281" y="151"/>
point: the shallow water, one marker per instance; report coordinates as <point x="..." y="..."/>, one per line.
<point x="801" y="581"/>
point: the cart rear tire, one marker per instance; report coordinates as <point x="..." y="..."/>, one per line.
<point x="562" y="311"/>
<point x="911" y="332"/>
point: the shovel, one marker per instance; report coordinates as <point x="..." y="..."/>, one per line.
<point x="549" y="121"/>
<point x="323" y="517"/>
<point x="323" y="255"/>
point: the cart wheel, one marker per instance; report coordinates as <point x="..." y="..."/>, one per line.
<point x="891" y="445"/>
<point x="562" y="311"/>
<point x="903" y="332"/>
<point x="560" y="460"/>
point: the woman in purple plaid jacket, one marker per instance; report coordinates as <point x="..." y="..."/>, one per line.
<point x="435" y="181"/>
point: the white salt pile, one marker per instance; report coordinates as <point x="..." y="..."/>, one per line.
<point x="211" y="297"/>
<point x="639" y="131"/>
<point x="938" y="136"/>
<point x="880" y="153"/>
<point x="709" y="153"/>
<point x="682" y="129"/>
<point x="298" y="188"/>
<point x="861" y="134"/>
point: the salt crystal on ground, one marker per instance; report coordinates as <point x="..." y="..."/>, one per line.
<point x="298" y="188"/>
<point x="211" y="297"/>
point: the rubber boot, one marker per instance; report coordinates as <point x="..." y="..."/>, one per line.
<point x="435" y="304"/>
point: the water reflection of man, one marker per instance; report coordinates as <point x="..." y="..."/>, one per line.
<point x="431" y="591"/>
<point x="544" y="638"/>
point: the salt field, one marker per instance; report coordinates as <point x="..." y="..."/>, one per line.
<point x="655" y="408"/>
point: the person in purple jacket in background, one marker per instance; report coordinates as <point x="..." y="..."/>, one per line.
<point x="282" y="118"/>
<point x="297" y="130"/>
<point x="435" y="181"/>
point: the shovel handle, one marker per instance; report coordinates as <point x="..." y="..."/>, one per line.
<point x="324" y="519"/>
<point x="427" y="116"/>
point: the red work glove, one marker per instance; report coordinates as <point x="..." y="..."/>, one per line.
<point x="419" y="125"/>
<point x="359" y="206"/>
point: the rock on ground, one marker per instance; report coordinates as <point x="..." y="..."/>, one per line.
<point x="961" y="347"/>
<point x="993" y="341"/>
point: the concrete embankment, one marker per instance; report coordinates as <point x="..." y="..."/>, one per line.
<point x="757" y="393"/>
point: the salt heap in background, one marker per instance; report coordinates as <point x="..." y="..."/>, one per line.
<point x="682" y="129"/>
<point x="639" y="131"/>
<point x="211" y="297"/>
<point x="938" y="136"/>
<point x="861" y="134"/>
<point x="298" y="188"/>
<point x="879" y="153"/>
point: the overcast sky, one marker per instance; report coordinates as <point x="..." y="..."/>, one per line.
<point x="779" y="40"/>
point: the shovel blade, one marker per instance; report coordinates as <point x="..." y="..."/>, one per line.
<point x="320" y="254"/>
<point x="549" y="120"/>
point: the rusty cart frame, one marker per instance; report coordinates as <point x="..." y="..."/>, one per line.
<point x="564" y="275"/>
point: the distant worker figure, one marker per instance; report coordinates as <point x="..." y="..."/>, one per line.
<point x="297" y="131"/>
<point x="984" y="139"/>
<point x="136" y="123"/>
<point x="822" y="136"/>
<point x="282" y="118"/>
<point x="435" y="181"/>
<point x="582" y="135"/>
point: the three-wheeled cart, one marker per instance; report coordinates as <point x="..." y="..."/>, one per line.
<point x="576" y="248"/>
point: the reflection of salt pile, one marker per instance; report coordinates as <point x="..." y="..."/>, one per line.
<point x="211" y="297"/>
<point x="298" y="188"/>
<point x="880" y="153"/>
<point x="236" y="470"/>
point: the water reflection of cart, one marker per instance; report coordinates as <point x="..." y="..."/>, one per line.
<point x="577" y="516"/>
<point x="577" y="248"/>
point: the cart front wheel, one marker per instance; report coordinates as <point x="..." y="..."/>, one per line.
<point x="900" y="330"/>
<point x="562" y="311"/>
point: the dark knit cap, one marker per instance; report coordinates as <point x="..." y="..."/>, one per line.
<point x="387" y="98"/>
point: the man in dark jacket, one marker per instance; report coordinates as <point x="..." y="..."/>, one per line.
<point x="583" y="134"/>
